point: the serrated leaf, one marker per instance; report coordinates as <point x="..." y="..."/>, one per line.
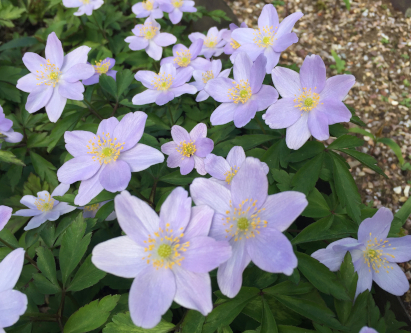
<point x="123" y="78"/>
<point x="108" y="84"/>
<point x="306" y="177"/>
<point x="365" y="159"/>
<point x="193" y="322"/>
<point x="251" y="140"/>
<point x="176" y="178"/>
<point x="44" y="168"/>
<point x="87" y="275"/>
<point x="44" y="285"/>
<point x="317" y="206"/>
<point x="268" y="324"/>
<point x="122" y="324"/>
<point x="346" y="141"/>
<point x="315" y="231"/>
<point x="47" y="264"/>
<point x="8" y="157"/>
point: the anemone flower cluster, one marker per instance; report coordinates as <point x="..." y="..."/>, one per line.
<point x="148" y="37"/>
<point x="84" y="6"/>
<point x="105" y="160"/>
<point x="213" y="44"/>
<point x="101" y="67"/>
<point x="374" y="255"/>
<point x="6" y="132"/>
<point x="53" y="80"/>
<point x="176" y="8"/>
<point x="168" y="256"/>
<point x="148" y="8"/>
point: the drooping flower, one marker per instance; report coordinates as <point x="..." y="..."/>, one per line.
<point x="164" y="86"/>
<point x="13" y="303"/>
<point x="213" y="43"/>
<point x="91" y="211"/>
<point x="176" y="8"/>
<point x="55" y="79"/>
<point x="187" y="57"/>
<point x="245" y="95"/>
<point x="224" y="170"/>
<point x="310" y="102"/>
<point x="270" y="39"/>
<point x="148" y="37"/>
<point x="105" y="160"/>
<point x="251" y="221"/>
<point x="5" y="214"/>
<point x="232" y="44"/>
<point x="148" y="8"/>
<point x="188" y="150"/>
<point x="84" y="6"/>
<point x="44" y="207"/>
<point x="374" y="255"/>
<point x="212" y="71"/>
<point x="6" y="132"/>
<point x="366" y="329"/>
<point x="101" y="67"/>
<point x="169" y="256"/>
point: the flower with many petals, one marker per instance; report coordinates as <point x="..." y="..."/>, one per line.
<point x="44" y="207"/>
<point x="147" y="36"/>
<point x="101" y="67"/>
<point x="310" y="102"/>
<point x="374" y="255"/>
<point x="232" y="45"/>
<point x="176" y="8"/>
<point x="84" y="6"/>
<point x="53" y="81"/>
<point x="212" y="71"/>
<point x="5" y="214"/>
<point x="251" y="221"/>
<point x="164" y="86"/>
<point x="213" y="43"/>
<point x="148" y="8"/>
<point x="6" y="132"/>
<point x="224" y="170"/>
<point x="90" y="211"/>
<point x="13" y="303"/>
<point x="168" y="256"/>
<point x="105" y="160"/>
<point x="184" y="57"/>
<point x="245" y="95"/>
<point x="188" y="150"/>
<point x="271" y="38"/>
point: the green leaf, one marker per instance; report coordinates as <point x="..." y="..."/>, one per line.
<point x="268" y="324"/>
<point x="346" y="188"/>
<point x="365" y="159"/>
<point x="404" y="212"/>
<point x="362" y="131"/>
<point x="289" y="288"/>
<point x="283" y="179"/>
<point x="193" y="322"/>
<point x="307" y="176"/>
<point x="9" y="92"/>
<point x="44" y="286"/>
<point x="315" y="231"/>
<point x="293" y="329"/>
<point x="253" y="276"/>
<point x="87" y="275"/>
<point x="105" y="210"/>
<point x="321" y="277"/>
<point x="310" y="149"/>
<point x="73" y="246"/>
<point x="38" y="140"/>
<point x="47" y="264"/>
<point x="272" y="156"/>
<point x="155" y="122"/>
<point x="91" y="316"/>
<point x="124" y="78"/>
<point x="8" y="157"/>
<point x="108" y="84"/>
<point x="176" y="178"/>
<point x="19" y="42"/>
<point x="346" y="141"/>
<point x="9" y="13"/>
<point x="68" y="197"/>
<point x="317" y="206"/>
<point x="251" y="140"/>
<point x="395" y="148"/>
<point x="103" y="196"/>
<point x="44" y="168"/>
<point x="347" y="4"/>
<point x="122" y="324"/>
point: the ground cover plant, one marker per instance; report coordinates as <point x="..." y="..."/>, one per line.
<point x="160" y="179"/>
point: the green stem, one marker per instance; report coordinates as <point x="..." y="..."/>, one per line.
<point x="171" y="114"/>
<point x="25" y="253"/>
<point x="260" y="124"/>
<point x="99" y="28"/>
<point x="91" y="109"/>
<point x="153" y="192"/>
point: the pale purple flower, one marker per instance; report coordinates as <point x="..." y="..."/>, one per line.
<point x="44" y="207"/>
<point x="101" y="67"/>
<point x="148" y="8"/>
<point x="55" y="79"/>
<point x="13" y="303"/>
<point x="251" y="221"/>
<point x="84" y="6"/>
<point x="5" y="214"/>
<point x="310" y="102"/>
<point x="91" y="211"/>
<point x="184" y="57"/>
<point x="366" y="329"/>
<point x="168" y="256"/>
<point x="374" y="255"/>
<point x="212" y="71"/>
<point x="147" y="36"/>
<point x="6" y="131"/>
<point x="232" y="44"/>
<point x="164" y="86"/>
<point x="105" y="160"/>
<point x="224" y="170"/>
<point x="176" y="8"/>
<point x="213" y="43"/>
<point x="188" y="150"/>
<point x="245" y="95"/>
<point x="270" y="39"/>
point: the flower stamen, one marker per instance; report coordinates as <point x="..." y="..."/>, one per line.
<point x="265" y="37"/>
<point x="148" y="31"/>
<point x="210" y="41"/>
<point x="148" y="5"/>
<point x="241" y="92"/>
<point x="45" y="205"/>
<point x="106" y="149"/>
<point x="162" y="82"/>
<point x="183" y="58"/>
<point x="187" y="149"/>
<point x="207" y="76"/>
<point x="307" y="101"/>
<point x="50" y="75"/>
<point x="102" y="66"/>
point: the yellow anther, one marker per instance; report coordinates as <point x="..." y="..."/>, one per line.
<point x="148" y="5"/>
<point x="187" y="149"/>
<point x="265" y="37"/>
<point x="210" y="41"/>
<point x="183" y="58"/>
<point x="102" y="67"/>
<point x="230" y="174"/>
<point x="307" y="101"/>
<point x="92" y="208"/>
<point x="148" y="30"/>
<point x="241" y="92"/>
<point x="177" y="3"/>
<point x="162" y="81"/>
<point x="207" y="76"/>
<point x="105" y="149"/>
<point x="45" y="205"/>
<point x="50" y="75"/>
<point x="234" y="44"/>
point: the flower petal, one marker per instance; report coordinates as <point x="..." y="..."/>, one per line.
<point x="164" y="98"/>
<point x="258" y="73"/>
<point x="377" y="226"/>
<point x="39" y="98"/>
<point x="223" y="114"/>
<point x="184" y="89"/>
<point x="146" y="97"/>
<point x="337" y="87"/>
<point x="54" y="50"/>
<point x="265" y="97"/>
<point x="34" y="62"/>
<point x="115" y="176"/>
<point x="137" y="43"/>
<point x="364" y="277"/>
<point x="334" y="111"/>
<point x="244" y="36"/>
<point x="268" y="17"/>
<point x="79" y="168"/>
<point x="217" y="166"/>
<point x="107" y="126"/>
<point x="287" y="82"/>
<point x="77" y="142"/>
<point x="89" y="189"/>
<point x="77" y="56"/>
<point x="204" y="147"/>
<point x="179" y="134"/>
<point x="55" y="106"/>
<point x="5" y="214"/>
<point x="72" y="91"/>
<point x="392" y="279"/>
<point x="218" y="89"/>
<point x="13" y="304"/>
<point x="312" y="73"/>
<point x="27" y="83"/>
<point x="28" y="212"/>
<point x="164" y="39"/>
<point x="318" y="125"/>
<point x="199" y="165"/>
<point x="186" y="165"/>
<point x="154" y="51"/>
<point x="10" y="269"/>
<point x="207" y="192"/>
<point x="236" y="156"/>
<point x="244" y="113"/>
<point x="175" y="16"/>
<point x="198" y="132"/>
<point x="200" y="222"/>
<point x="288" y="23"/>
<point x="285" y="41"/>
<point x="79" y="72"/>
<point x="130" y="129"/>
<point x="169" y="147"/>
<point x="298" y="133"/>
<point x="397" y="249"/>
<point x="242" y="67"/>
<point x="60" y="190"/>
<point x="141" y="157"/>
<point x="176" y="210"/>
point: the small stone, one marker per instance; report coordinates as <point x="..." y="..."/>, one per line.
<point x="369" y="171"/>
<point x="407" y="191"/>
<point x="397" y="189"/>
<point x="403" y="199"/>
<point x="408" y="275"/>
<point x="361" y="173"/>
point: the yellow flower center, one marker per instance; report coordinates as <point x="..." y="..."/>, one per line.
<point x="241" y="92"/>
<point x="234" y="44"/>
<point x="183" y="58"/>
<point x="244" y="221"/>
<point x="177" y="3"/>
<point x="162" y="82"/>
<point x="148" y="31"/>
<point x="46" y="204"/>
<point x="207" y="76"/>
<point x="106" y="149"/>
<point x="187" y="149"/>
<point x="210" y="41"/>
<point x="265" y="37"/>
<point x="164" y="249"/>
<point x="374" y="256"/>
<point x="91" y="208"/>
<point x="230" y="174"/>
<point x="102" y="67"/>
<point x="307" y="101"/>
<point x="148" y="5"/>
<point x="86" y="2"/>
<point x="49" y="75"/>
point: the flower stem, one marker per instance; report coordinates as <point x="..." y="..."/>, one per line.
<point x="260" y="124"/>
<point x="153" y="193"/>
<point x="171" y="115"/>
<point x="25" y="253"/>
<point x="91" y="109"/>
